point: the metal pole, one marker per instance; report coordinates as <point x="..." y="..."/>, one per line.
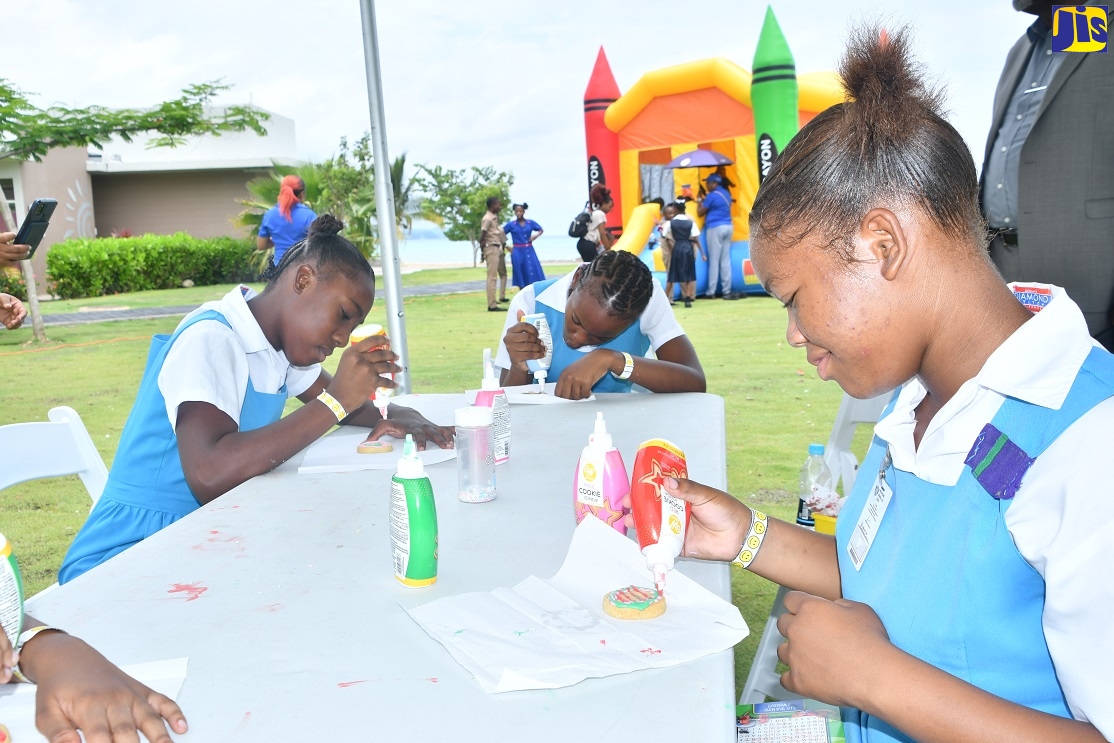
<point x="385" y="199"/>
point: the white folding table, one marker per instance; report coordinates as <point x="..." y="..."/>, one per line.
<point x="281" y="593"/>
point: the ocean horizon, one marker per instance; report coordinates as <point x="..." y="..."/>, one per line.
<point x="440" y="251"/>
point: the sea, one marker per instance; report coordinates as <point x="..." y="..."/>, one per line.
<point x="439" y="251"/>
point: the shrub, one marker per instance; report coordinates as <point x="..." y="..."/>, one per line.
<point x="85" y="267"/>
<point x="11" y="282"/>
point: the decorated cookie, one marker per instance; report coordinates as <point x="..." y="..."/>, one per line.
<point x="634" y="602"/>
<point x="375" y="447"/>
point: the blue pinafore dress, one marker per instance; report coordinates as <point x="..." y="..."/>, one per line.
<point x="943" y="573"/>
<point x="146" y="489"/>
<point x="631" y="341"/>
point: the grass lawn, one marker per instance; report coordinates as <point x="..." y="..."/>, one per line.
<point x="775" y="404"/>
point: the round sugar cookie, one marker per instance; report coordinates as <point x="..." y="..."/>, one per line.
<point x="634" y="602"/>
<point x="374" y="447"/>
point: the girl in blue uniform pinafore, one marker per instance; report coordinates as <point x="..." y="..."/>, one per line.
<point x="525" y="266"/>
<point x="320" y="291"/>
<point x="965" y="595"/>
<point x="599" y="338"/>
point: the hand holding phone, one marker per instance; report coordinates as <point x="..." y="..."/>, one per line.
<point x="35" y="223"/>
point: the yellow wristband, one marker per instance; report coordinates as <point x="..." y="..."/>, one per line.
<point x="24" y="638"/>
<point x="759" y="524"/>
<point x="628" y="367"/>
<point x="332" y="404"/>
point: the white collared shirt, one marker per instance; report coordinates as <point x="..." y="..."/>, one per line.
<point x="210" y="362"/>
<point x="656" y="323"/>
<point x="1062" y="518"/>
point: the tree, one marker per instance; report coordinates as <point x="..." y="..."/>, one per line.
<point x="28" y="133"/>
<point x="344" y="186"/>
<point x="459" y="198"/>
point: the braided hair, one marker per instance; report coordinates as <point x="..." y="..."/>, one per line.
<point x="327" y="249"/>
<point x="625" y="283"/>
<point x="887" y="145"/>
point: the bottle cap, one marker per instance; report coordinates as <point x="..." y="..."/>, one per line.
<point x="539" y="376"/>
<point x="474" y="416"/>
<point x="815" y="449"/>
<point x="489" y="381"/>
<point x="410" y="465"/>
<point x="600" y="438"/>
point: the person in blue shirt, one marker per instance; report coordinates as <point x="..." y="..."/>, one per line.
<point x="209" y="411"/>
<point x="525" y="266"/>
<point x="966" y="593"/>
<point x="604" y="317"/>
<point x="715" y="208"/>
<point x="287" y="222"/>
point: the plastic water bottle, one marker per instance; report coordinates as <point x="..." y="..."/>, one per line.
<point x="814" y="472"/>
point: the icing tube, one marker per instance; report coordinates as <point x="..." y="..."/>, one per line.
<point x="381" y="398"/>
<point x="540" y="367"/>
<point x="660" y="519"/>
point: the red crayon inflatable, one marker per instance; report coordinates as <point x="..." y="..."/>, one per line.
<point x="603" y="144"/>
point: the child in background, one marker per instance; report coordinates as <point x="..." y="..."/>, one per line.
<point x="208" y="415"/>
<point x="598" y="238"/>
<point x="683" y="233"/>
<point x="604" y="317"/>
<point x="78" y="689"/>
<point x="984" y="587"/>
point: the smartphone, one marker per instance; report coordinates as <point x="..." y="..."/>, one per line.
<point x="35" y="223"/>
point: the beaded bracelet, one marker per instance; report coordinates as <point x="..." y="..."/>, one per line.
<point x="332" y="404"/>
<point x="753" y="540"/>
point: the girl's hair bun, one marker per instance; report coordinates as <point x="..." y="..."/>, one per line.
<point x="887" y="85"/>
<point x="327" y="225"/>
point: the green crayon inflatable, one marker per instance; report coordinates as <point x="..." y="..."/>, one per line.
<point x="773" y="94"/>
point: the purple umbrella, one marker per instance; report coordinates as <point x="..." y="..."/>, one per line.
<point x="699" y="159"/>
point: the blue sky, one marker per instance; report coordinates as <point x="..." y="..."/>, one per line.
<point x="480" y="83"/>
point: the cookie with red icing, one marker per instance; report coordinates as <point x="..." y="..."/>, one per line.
<point x="634" y="602"/>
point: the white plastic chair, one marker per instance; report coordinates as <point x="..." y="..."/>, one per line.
<point x="54" y="448"/>
<point x="763" y="680"/>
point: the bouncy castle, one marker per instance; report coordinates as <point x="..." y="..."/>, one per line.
<point x="711" y="104"/>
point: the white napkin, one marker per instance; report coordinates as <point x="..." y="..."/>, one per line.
<point x="337" y="453"/>
<point x="544" y="634"/>
<point x="529" y="394"/>
<point x="17" y="701"/>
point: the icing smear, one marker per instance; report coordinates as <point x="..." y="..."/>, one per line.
<point x="634" y="597"/>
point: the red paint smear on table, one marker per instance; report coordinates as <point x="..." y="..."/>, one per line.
<point x="650" y="651"/>
<point x="273" y="607"/>
<point x="432" y="679"/>
<point x="245" y="721"/>
<point x="603" y="642"/>
<point x="346" y="684"/>
<point x="194" y="590"/>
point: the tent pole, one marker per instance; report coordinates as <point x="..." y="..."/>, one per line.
<point x="384" y="199"/>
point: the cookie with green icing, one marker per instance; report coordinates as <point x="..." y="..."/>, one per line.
<point x="634" y="602"/>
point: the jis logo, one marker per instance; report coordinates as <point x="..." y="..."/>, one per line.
<point x="1079" y="28"/>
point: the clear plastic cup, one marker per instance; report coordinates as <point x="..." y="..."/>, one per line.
<point x="475" y="454"/>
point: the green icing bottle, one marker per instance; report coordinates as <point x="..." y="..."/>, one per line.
<point x="11" y="592"/>
<point x="413" y="521"/>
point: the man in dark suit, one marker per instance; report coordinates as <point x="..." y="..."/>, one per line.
<point x="1048" y="171"/>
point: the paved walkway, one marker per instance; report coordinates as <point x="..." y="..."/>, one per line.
<point x="143" y="313"/>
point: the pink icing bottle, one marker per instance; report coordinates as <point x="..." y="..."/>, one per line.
<point x="601" y="480"/>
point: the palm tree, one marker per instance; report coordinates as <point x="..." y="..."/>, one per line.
<point x="409" y="204"/>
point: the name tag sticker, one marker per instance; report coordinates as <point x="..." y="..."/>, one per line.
<point x="867" y="526"/>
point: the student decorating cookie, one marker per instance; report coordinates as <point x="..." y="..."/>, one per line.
<point x="604" y="317"/>
<point x="208" y="415"/>
<point x="966" y="594"/>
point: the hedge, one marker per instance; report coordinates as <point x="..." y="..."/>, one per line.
<point x="11" y="282"/>
<point x="92" y="267"/>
